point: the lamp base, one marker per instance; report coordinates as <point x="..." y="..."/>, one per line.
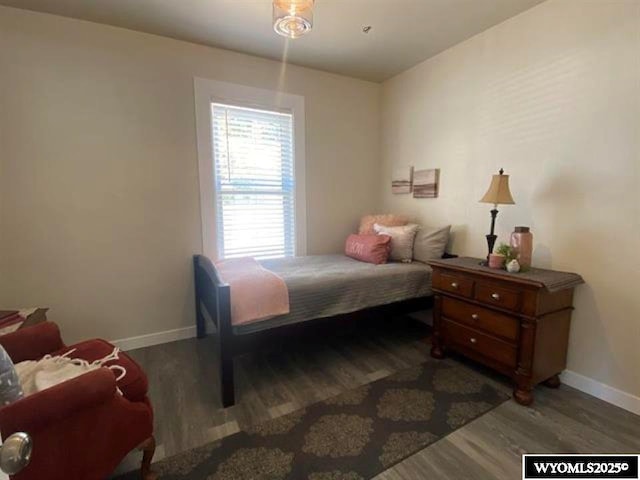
<point x="491" y="241"/>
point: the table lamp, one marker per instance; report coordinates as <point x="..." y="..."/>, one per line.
<point x="498" y="194"/>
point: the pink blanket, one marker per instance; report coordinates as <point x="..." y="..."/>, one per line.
<point x="256" y="293"/>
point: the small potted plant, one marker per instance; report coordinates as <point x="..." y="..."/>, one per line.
<point x="501" y="256"/>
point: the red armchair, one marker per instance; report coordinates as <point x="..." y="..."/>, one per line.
<point x="83" y="428"/>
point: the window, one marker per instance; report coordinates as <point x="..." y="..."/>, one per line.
<point x="251" y="168"/>
<point x="254" y="182"/>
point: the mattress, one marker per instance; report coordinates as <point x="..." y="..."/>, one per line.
<point x="327" y="285"/>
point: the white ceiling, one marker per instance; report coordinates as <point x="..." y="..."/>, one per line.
<point x="404" y="33"/>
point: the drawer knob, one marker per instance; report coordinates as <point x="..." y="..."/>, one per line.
<point x="475" y="316"/>
<point x="473" y="340"/>
<point x="495" y="296"/>
<point x="454" y="285"/>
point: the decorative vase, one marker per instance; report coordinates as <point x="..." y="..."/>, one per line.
<point x="513" y="266"/>
<point x="522" y="244"/>
<point x="496" y="260"/>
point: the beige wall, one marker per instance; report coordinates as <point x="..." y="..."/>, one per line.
<point x="553" y="96"/>
<point x="99" y="202"/>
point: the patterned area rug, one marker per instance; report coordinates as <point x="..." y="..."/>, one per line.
<point x="353" y="436"/>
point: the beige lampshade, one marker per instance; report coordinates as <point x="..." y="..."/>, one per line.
<point x="498" y="192"/>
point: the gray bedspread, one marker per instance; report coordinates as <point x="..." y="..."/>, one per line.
<point x="327" y="285"/>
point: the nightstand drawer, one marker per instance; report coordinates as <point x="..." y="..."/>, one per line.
<point x="481" y="343"/>
<point x="453" y="283"/>
<point x="484" y="319"/>
<point x="494" y="295"/>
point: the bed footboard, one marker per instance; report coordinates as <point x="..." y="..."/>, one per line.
<point x="213" y="300"/>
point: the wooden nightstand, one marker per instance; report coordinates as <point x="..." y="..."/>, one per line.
<point x="517" y="324"/>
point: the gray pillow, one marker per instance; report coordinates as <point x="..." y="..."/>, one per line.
<point x="430" y="243"/>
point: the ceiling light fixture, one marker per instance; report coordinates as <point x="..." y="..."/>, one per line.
<point x="292" y="18"/>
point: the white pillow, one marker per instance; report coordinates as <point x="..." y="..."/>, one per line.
<point x="430" y="243"/>
<point x="401" y="240"/>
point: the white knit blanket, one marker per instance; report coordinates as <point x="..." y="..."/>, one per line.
<point x="38" y="375"/>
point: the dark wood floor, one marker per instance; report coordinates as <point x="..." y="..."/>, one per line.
<point x="183" y="390"/>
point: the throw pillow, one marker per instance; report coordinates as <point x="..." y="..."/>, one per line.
<point x="401" y="240"/>
<point x="368" y="248"/>
<point x="430" y="243"/>
<point x="387" y="220"/>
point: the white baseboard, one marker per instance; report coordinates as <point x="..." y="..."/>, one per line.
<point x="602" y="391"/>
<point x="155" y="338"/>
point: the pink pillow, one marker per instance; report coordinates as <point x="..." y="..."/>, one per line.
<point x="386" y="220"/>
<point x="368" y="248"/>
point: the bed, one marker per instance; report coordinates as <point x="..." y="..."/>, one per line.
<point x="321" y="288"/>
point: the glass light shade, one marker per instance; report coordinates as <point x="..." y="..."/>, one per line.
<point x="292" y="18"/>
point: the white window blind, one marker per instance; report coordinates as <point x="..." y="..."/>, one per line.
<point x="254" y="182"/>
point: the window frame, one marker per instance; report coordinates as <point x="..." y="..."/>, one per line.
<point x="208" y="91"/>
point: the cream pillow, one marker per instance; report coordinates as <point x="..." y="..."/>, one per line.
<point x="387" y="219"/>
<point x="430" y="243"/>
<point x="401" y="240"/>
